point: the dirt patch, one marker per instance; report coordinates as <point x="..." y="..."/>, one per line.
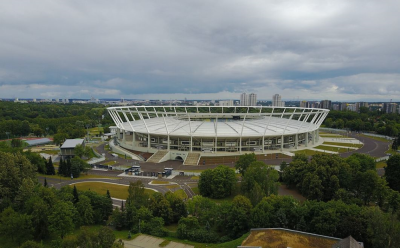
<point x="284" y="190"/>
<point x="282" y="239"/>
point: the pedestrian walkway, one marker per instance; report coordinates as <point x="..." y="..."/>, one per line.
<point x="343" y="140"/>
<point x="146" y="241"/>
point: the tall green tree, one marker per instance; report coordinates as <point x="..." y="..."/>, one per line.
<point x="244" y="162"/>
<point x="217" y="183"/>
<point x="50" y="167"/>
<point x="85" y="210"/>
<point x="62" y="218"/>
<point x="14" y="168"/>
<point x="260" y="180"/>
<point x="392" y="172"/>
<point x="15" y="225"/>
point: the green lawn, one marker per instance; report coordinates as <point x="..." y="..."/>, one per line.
<point x="196" y="190"/>
<point x="381" y="164"/>
<point x="331" y="136"/>
<point x="82" y="176"/>
<point x="343" y="144"/>
<point x="180" y="193"/>
<point x="116" y="191"/>
<point x="307" y="152"/>
<point x="109" y="163"/>
<point x="333" y="149"/>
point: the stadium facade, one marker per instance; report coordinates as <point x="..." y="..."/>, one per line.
<point x="216" y="130"/>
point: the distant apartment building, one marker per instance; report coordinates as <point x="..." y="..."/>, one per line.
<point x="326" y="104"/>
<point x="225" y="103"/>
<point x="248" y="100"/>
<point x="253" y="99"/>
<point x="244" y="100"/>
<point x="277" y="101"/>
<point x="342" y="106"/>
<point x="352" y="107"/>
<point x="390" y="107"/>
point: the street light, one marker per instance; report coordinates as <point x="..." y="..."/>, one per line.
<point x="8" y="135"/>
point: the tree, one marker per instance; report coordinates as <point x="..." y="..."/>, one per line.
<point x="177" y="205"/>
<point x="62" y="167"/>
<point x="50" y="167"/>
<point x="260" y="180"/>
<point x="59" y="138"/>
<point x="160" y="207"/>
<point x="30" y="244"/>
<point x="238" y="221"/>
<point x="217" y="183"/>
<point x="79" y="151"/>
<point x="78" y="166"/>
<point x="37" y="161"/>
<point x="137" y="196"/>
<point x="14" y="168"/>
<point x="62" y="218"/>
<point x="392" y="172"/>
<point x="106" y="237"/>
<point x="76" y="196"/>
<point x="244" y="161"/>
<point x="15" y="225"/>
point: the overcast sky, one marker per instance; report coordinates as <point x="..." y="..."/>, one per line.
<point x="307" y="50"/>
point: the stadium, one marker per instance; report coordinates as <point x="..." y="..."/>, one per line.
<point x="189" y="132"/>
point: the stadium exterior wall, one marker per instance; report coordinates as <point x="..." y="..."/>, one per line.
<point x="216" y="129"/>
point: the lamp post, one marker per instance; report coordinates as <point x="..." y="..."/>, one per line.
<point x="8" y="135"/>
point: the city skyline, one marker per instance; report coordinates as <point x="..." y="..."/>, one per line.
<point x="303" y="50"/>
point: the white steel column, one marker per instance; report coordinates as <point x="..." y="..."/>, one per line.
<point x="307" y="139"/>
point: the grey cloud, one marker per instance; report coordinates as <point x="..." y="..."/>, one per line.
<point x="198" y="47"/>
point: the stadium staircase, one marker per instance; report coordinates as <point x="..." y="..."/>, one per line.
<point x="160" y="154"/>
<point x="192" y="159"/>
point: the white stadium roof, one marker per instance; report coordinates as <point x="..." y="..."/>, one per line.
<point x="217" y="121"/>
<point x="268" y="126"/>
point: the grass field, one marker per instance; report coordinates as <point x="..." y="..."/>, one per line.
<point x="307" y="152"/>
<point x="116" y="190"/>
<point x="180" y="193"/>
<point x="172" y="186"/>
<point x="333" y="149"/>
<point x="331" y="136"/>
<point x="381" y="164"/>
<point x="82" y="176"/>
<point x="196" y="190"/>
<point x="109" y="163"/>
<point x="343" y="144"/>
<point x="96" y="130"/>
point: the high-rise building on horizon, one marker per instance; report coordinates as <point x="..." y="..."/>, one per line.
<point x="244" y="99"/>
<point x="248" y="100"/>
<point x="225" y="103"/>
<point x="277" y="101"/>
<point x="326" y="104"/>
<point x="253" y="99"/>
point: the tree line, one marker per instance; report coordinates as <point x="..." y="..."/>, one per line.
<point x="368" y="121"/>
<point x="62" y="120"/>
